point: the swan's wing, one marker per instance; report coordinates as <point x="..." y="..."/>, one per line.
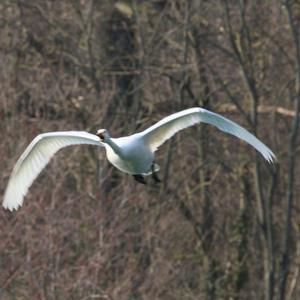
<point x="157" y="134"/>
<point x="35" y="158"/>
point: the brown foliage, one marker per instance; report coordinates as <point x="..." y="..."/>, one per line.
<point x="223" y="224"/>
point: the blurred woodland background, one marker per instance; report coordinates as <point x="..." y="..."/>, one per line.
<point x="223" y="224"/>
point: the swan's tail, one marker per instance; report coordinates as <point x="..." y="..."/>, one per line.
<point x="156" y="169"/>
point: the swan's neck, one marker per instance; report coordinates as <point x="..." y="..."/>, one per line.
<point x="117" y="149"/>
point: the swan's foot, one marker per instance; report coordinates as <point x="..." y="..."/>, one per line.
<point x="154" y="174"/>
<point x="139" y="178"/>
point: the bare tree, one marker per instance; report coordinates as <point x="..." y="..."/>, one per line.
<point x="222" y="224"/>
<point x="292" y="146"/>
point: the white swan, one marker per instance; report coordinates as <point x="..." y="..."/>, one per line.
<point x="132" y="154"/>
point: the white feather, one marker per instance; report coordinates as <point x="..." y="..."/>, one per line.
<point x="35" y="158"/>
<point x="157" y="134"/>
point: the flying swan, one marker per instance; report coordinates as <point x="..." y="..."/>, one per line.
<point x="132" y="154"/>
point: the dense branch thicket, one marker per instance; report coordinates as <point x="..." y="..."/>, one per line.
<point x="223" y="224"/>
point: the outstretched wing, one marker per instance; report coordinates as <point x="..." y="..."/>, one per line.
<point x="157" y="134"/>
<point x="35" y="158"/>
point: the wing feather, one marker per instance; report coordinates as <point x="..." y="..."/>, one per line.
<point x="157" y="134"/>
<point x="35" y="158"/>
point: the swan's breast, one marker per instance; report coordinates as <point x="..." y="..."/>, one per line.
<point x="136" y="157"/>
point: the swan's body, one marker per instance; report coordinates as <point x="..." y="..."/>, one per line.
<point x="133" y="154"/>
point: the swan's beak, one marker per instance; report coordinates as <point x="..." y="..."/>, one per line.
<point x="100" y="134"/>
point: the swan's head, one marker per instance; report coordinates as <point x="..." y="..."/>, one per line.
<point x="103" y="135"/>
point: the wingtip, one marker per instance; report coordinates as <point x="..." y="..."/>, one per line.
<point x="11" y="205"/>
<point x="11" y="208"/>
<point x="271" y="158"/>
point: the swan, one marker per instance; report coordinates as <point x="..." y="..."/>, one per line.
<point x="132" y="154"/>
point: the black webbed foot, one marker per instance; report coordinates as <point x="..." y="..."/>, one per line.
<point x="140" y="178"/>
